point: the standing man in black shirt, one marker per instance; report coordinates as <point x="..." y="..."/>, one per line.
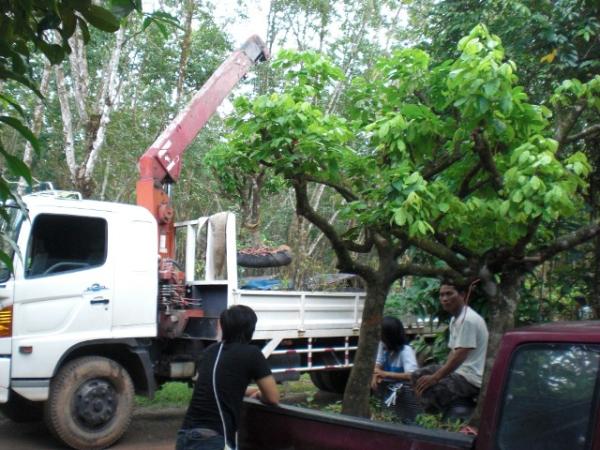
<point x="225" y="370"/>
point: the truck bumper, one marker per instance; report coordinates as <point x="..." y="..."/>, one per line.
<point x="4" y="378"/>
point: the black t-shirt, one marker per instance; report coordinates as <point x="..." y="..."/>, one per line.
<point x="238" y="365"/>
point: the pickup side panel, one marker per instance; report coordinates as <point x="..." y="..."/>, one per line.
<point x="285" y="427"/>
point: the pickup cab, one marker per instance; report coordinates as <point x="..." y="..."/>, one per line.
<point x="543" y="394"/>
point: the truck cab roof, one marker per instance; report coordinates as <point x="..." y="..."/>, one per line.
<point x="62" y="199"/>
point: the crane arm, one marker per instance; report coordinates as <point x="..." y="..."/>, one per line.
<point x="160" y="165"/>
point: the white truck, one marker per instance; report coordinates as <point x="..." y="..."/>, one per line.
<point x="97" y="308"/>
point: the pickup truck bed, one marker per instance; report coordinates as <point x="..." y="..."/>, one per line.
<point x="287" y="427"/>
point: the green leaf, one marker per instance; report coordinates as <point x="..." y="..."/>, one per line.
<point x="16" y="166"/>
<point x="517" y="197"/>
<point x="11" y="101"/>
<point x="9" y="74"/>
<point x="5" y="259"/>
<point x="443" y="207"/>
<point x="69" y="22"/>
<point x="54" y="52"/>
<point x="122" y="8"/>
<point x="23" y="130"/>
<point x="400" y="217"/>
<point x="101" y="18"/>
<point x="78" y="5"/>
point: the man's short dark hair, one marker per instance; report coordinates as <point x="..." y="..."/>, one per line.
<point x="238" y="323"/>
<point x="461" y="288"/>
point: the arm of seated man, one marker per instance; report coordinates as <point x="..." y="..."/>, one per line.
<point x="455" y="359"/>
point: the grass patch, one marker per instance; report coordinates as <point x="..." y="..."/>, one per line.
<point x="303" y="386"/>
<point x="173" y="394"/>
<point x="435" y="422"/>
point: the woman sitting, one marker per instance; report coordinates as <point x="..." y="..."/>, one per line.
<point x="394" y="364"/>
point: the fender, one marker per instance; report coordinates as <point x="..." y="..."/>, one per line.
<point x="133" y="354"/>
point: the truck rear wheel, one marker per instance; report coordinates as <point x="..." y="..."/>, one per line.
<point x="90" y="403"/>
<point x="19" y="409"/>
<point x="331" y="380"/>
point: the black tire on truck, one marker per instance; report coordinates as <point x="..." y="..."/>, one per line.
<point x="19" y="409"/>
<point x="320" y="381"/>
<point x="331" y="380"/>
<point x="90" y="403"/>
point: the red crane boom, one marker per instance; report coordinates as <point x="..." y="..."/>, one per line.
<point x="160" y="165"/>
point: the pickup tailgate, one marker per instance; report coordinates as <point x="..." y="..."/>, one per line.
<point x="285" y="427"/>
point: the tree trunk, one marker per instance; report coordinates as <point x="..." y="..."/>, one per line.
<point x="356" y="396"/>
<point x="594" y="202"/>
<point x="186" y="43"/>
<point x="503" y="299"/>
<point x="36" y="122"/>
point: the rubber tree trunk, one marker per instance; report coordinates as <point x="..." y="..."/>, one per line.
<point x="503" y="299"/>
<point x="594" y="203"/>
<point x="356" y="396"/>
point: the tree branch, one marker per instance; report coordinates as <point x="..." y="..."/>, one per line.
<point x="463" y="191"/>
<point x="487" y="159"/>
<point x="434" y="248"/>
<point x="440" y="251"/>
<point x="443" y="163"/>
<point x="67" y="121"/>
<point x="563" y="243"/>
<point x="106" y="104"/>
<point x="456" y="248"/>
<point x="365" y="247"/>
<point x="347" y="194"/>
<point x="519" y="248"/>
<point x="566" y="125"/>
<point x="588" y="132"/>
<point x="426" y="271"/>
<point x="345" y="261"/>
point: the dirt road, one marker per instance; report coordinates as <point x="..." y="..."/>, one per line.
<point x="149" y="430"/>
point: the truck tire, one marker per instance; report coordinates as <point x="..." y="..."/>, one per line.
<point x="19" y="409"/>
<point x="90" y="403"/>
<point x="331" y="380"/>
<point x="320" y="381"/>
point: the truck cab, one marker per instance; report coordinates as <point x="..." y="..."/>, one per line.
<point x="85" y="273"/>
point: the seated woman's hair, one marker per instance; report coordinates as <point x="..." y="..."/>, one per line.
<point x="238" y="323"/>
<point x="392" y="334"/>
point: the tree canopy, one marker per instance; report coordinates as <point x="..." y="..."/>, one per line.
<point x="449" y="158"/>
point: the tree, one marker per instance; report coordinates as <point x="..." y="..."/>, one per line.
<point x="47" y="27"/>
<point x="449" y="159"/>
<point x="550" y="42"/>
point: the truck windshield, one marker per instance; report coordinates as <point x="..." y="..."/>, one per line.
<point x="10" y="222"/>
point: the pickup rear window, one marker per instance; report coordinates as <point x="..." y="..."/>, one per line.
<point x="551" y="398"/>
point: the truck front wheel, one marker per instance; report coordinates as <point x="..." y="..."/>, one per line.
<point x="90" y="403"/>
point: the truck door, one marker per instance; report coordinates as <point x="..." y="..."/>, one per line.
<point x="63" y="290"/>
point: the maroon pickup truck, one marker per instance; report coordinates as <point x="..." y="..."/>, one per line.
<point x="543" y="394"/>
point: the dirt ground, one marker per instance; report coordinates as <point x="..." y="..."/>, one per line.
<point x="150" y="429"/>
